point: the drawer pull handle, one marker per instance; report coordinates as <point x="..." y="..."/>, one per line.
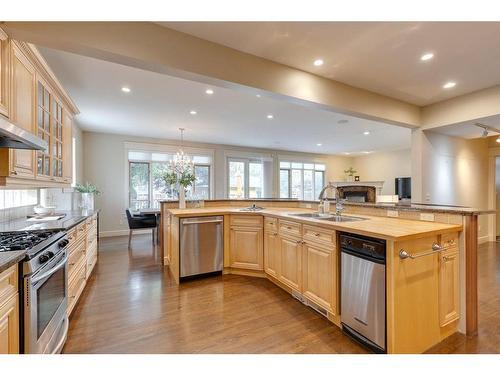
<point x="275" y="234"/>
<point x="288" y="227"/>
<point x="317" y="234"/>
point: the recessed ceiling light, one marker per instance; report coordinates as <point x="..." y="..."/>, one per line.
<point x="209" y="91"/>
<point x="270" y="116"/>
<point x="319" y="144"/>
<point x="427" y="56"/>
<point x="125" y="89"/>
<point x="366" y="133"/>
<point x="257" y="95"/>
<point x="367" y="152"/>
<point x="193" y="112"/>
<point x="449" y="85"/>
<point x="347" y="153"/>
<point x="318" y="62"/>
<point x="342" y="121"/>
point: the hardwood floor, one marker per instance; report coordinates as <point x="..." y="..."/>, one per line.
<point x="488" y="338"/>
<point x="131" y="305"/>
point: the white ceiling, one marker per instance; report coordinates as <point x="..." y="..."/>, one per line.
<point x="159" y="104"/>
<point x="383" y="57"/>
<point x="470" y="131"/>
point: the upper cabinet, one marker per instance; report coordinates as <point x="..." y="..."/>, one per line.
<point x="33" y="99"/>
<point x="4" y="74"/>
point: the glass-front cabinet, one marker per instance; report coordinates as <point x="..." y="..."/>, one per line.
<point x="50" y="128"/>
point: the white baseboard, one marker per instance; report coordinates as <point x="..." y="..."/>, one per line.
<point x="483" y="239"/>
<point x="122" y="232"/>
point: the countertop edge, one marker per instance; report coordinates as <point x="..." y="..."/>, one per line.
<point x="10" y="258"/>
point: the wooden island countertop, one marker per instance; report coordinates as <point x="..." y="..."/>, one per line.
<point x="388" y="228"/>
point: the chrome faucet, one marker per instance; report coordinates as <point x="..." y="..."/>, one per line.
<point x="322" y="192"/>
<point x="339" y="207"/>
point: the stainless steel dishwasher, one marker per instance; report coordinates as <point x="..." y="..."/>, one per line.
<point x="201" y="245"/>
<point x="362" y="304"/>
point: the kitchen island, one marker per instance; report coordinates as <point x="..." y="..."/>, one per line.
<point x="425" y="293"/>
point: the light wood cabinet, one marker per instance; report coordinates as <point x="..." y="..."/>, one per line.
<point x="247" y="248"/>
<point x="272" y="256"/>
<point x="67" y="147"/>
<point x="319" y="276"/>
<point x="4" y="74"/>
<point x="9" y="312"/>
<point x="20" y="163"/>
<point x="291" y="262"/>
<point x="449" y="295"/>
<point x="33" y="99"/>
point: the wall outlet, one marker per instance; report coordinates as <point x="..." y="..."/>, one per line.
<point x="427" y="217"/>
<point x="392" y="213"/>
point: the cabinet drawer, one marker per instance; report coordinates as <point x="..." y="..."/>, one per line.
<point x="271" y="224"/>
<point x="81" y="229"/>
<point x="320" y="236"/>
<point x="290" y="228"/>
<point x="75" y="287"/>
<point x="72" y="236"/>
<point x="246" y="220"/>
<point x="450" y="240"/>
<point x="76" y="259"/>
<point x="8" y="283"/>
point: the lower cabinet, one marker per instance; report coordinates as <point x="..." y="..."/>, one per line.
<point x="291" y="262"/>
<point x="318" y="275"/>
<point x="272" y="256"/>
<point x="82" y="249"/>
<point x="449" y="295"/>
<point x="247" y="248"/>
<point x="9" y="312"/>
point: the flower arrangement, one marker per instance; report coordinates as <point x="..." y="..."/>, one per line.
<point x="87" y="188"/>
<point x="351" y="171"/>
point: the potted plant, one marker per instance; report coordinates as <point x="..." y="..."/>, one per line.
<point x="350" y="174"/>
<point x="88" y="192"/>
<point x="182" y="179"/>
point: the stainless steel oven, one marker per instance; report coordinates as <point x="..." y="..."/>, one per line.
<point x="45" y="299"/>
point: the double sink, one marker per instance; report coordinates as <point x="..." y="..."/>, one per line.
<point x="336" y="218"/>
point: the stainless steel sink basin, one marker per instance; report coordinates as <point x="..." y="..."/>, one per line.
<point x="342" y="218"/>
<point x="336" y="218"/>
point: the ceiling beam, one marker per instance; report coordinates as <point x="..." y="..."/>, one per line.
<point x="153" y="47"/>
<point x="468" y="108"/>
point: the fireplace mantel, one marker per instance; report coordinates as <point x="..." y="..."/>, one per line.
<point x="378" y="185"/>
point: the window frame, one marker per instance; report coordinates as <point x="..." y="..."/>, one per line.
<point x="246" y="169"/>
<point x="302" y="169"/>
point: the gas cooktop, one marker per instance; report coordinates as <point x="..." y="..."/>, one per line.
<point x="33" y="242"/>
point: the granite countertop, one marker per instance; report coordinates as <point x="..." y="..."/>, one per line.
<point x="387" y="228"/>
<point x="71" y="219"/>
<point x="9" y="258"/>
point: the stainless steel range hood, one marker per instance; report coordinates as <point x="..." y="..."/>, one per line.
<point x="12" y="136"/>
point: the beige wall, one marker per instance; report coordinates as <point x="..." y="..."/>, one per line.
<point x="453" y="171"/>
<point x="78" y="135"/>
<point x="104" y="165"/>
<point x="383" y="166"/>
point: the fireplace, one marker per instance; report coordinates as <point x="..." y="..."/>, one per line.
<point x="357" y="193"/>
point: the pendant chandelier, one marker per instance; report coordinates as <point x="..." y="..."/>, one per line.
<point x="181" y="162"/>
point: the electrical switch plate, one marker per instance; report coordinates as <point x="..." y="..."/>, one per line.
<point x="392" y="213"/>
<point x="427" y="217"/>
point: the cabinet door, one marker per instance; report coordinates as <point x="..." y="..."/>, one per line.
<point x="4" y="74"/>
<point x="271" y="253"/>
<point x="9" y="326"/>
<point x="318" y="275"/>
<point x="22" y="110"/>
<point x="67" y="151"/>
<point x="448" y="288"/>
<point x="291" y="262"/>
<point x="247" y="248"/>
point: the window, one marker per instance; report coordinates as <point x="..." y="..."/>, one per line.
<point x="246" y="179"/>
<point x="147" y="186"/>
<point x="301" y="180"/>
<point x="17" y="198"/>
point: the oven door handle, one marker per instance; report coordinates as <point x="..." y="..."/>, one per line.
<point x="48" y="273"/>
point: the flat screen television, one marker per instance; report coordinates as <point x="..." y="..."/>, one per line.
<point x="403" y="187"/>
